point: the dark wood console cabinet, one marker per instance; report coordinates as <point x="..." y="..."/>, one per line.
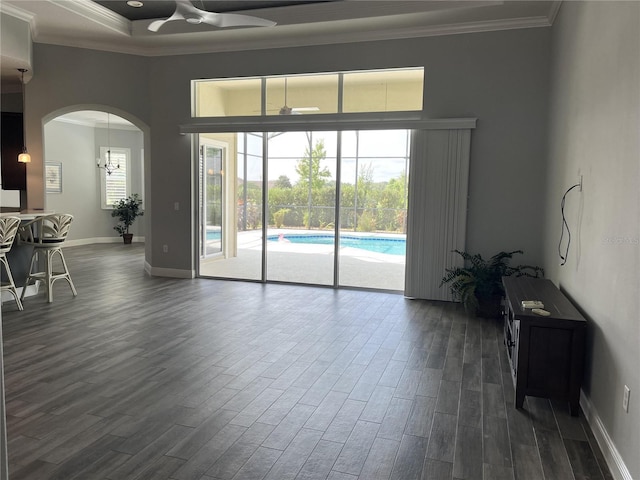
<point x="546" y="354"/>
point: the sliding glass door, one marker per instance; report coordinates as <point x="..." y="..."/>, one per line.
<point x="301" y="207"/>
<point x="230" y="181"/>
<point x="289" y="193"/>
<point x="373" y="208"/>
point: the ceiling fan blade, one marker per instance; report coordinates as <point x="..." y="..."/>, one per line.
<point x="306" y="109"/>
<point x="185" y="10"/>
<point x="234" y="20"/>
<point x="155" y="25"/>
<point x="178" y="14"/>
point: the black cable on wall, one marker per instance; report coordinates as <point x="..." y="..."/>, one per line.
<point x="565" y="226"/>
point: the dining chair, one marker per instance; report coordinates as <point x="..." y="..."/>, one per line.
<point x="8" y="229"/>
<point x="46" y="234"/>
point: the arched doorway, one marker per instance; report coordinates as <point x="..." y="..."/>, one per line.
<point x="75" y="143"/>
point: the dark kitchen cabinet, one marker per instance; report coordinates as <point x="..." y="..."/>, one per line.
<point x="14" y="174"/>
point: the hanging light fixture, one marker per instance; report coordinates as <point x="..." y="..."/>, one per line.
<point x="108" y="166"/>
<point x="23" y="157"/>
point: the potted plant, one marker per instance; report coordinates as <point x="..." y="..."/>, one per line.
<point x="478" y="285"/>
<point x="127" y="210"/>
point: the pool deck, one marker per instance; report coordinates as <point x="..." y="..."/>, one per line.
<point x="309" y="263"/>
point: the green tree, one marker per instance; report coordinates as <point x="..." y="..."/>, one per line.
<point x="309" y="168"/>
<point x="392" y="204"/>
<point x="249" y="214"/>
<point x="282" y="182"/>
<point x="365" y="186"/>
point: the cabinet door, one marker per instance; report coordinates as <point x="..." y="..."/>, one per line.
<point x="549" y="361"/>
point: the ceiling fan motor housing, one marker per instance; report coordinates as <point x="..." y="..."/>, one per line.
<point x="194" y="20"/>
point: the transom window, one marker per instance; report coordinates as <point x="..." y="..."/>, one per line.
<point x="388" y="90"/>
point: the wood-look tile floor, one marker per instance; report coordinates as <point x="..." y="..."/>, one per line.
<point x="154" y="378"/>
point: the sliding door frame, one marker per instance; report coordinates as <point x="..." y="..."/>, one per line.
<point x="337" y="123"/>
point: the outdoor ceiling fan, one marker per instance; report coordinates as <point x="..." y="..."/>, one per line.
<point x="195" y="16"/>
<point x="287" y="110"/>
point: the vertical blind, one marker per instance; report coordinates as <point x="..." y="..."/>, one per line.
<point x="437" y="216"/>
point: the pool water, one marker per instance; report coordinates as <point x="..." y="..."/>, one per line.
<point x="213" y="235"/>
<point x="390" y="246"/>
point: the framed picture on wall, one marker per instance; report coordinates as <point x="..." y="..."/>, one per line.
<point x="53" y="177"/>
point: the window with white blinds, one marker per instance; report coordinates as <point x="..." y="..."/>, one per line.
<point x="116" y="185"/>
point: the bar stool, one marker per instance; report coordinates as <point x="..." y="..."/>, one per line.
<point x="8" y="229"/>
<point x="46" y="234"/>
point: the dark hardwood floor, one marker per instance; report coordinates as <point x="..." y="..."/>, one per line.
<point x="154" y="378"/>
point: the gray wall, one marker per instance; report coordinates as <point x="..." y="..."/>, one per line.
<point x="500" y="77"/>
<point x="594" y="131"/>
<point x="76" y="147"/>
<point x="69" y="79"/>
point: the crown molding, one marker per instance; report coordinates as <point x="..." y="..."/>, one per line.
<point x="21" y="14"/>
<point x="286" y="41"/>
<point x="553" y="11"/>
<point x="96" y="13"/>
<point x="16" y="12"/>
<point x="338" y="11"/>
<point x="92" y="26"/>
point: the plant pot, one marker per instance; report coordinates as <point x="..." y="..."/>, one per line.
<point x="127" y="238"/>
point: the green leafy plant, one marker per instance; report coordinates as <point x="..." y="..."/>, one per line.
<point x="126" y="210"/>
<point x="367" y="222"/>
<point x="478" y="285"/>
<point x="278" y="217"/>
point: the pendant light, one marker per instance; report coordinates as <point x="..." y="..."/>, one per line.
<point x="108" y="166"/>
<point x="24" y="157"/>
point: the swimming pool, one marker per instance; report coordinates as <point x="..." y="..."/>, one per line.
<point x="213" y="235"/>
<point x="390" y="246"/>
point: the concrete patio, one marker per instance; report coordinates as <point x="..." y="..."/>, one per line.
<point x="308" y="263"/>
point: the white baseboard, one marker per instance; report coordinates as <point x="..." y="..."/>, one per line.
<point x="153" y="271"/>
<point x="168" y="272"/>
<point x="31" y="290"/>
<point x="613" y="458"/>
<point x="89" y="241"/>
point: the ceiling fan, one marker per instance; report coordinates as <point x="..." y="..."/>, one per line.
<point x="185" y="10"/>
<point x="287" y="110"/>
